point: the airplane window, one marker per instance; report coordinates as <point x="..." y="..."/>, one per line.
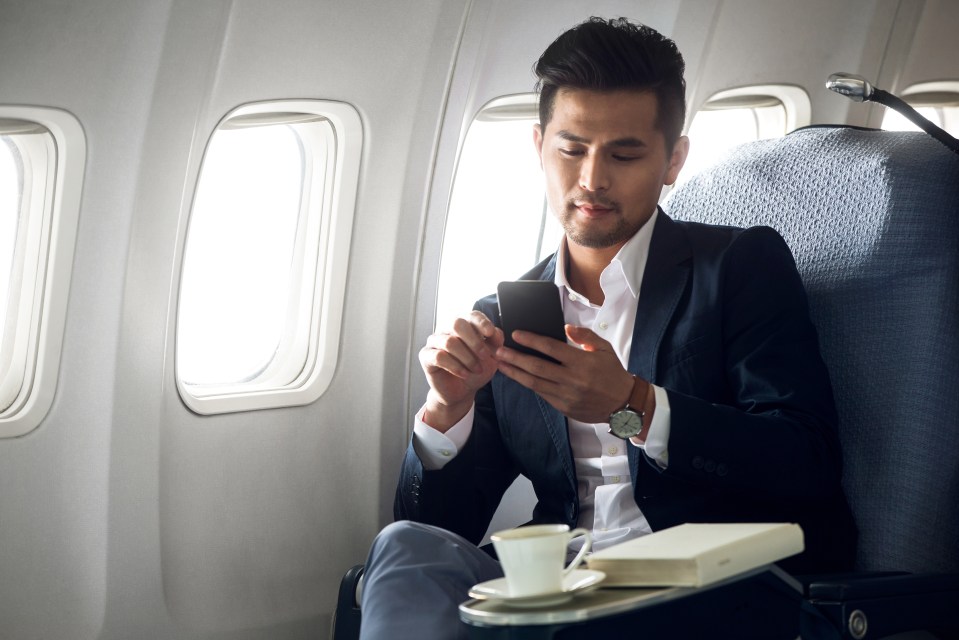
<point x="737" y="116"/>
<point x="10" y="180"/>
<point x="237" y="278"/>
<point x="937" y="101"/>
<point x="260" y="258"/>
<point x="26" y="153"/>
<point x="498" y="205"/>
<point x="41" y="166"/>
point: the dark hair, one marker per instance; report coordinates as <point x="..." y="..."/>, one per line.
<point x="605" y="55"/>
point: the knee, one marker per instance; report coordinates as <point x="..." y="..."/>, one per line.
<point x="407" y="542"/>
<point x="406" y="535"/>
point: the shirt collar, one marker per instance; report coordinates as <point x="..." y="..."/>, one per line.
<point x="630" y="259"/>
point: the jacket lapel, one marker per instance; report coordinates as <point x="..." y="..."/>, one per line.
<point x="664" y="280"/>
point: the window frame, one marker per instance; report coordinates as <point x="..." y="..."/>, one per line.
<point x="949" y="120"/>
<point x="326" y="259"/>
<point x="42" y="288"/>
<point x="793" y="99"/>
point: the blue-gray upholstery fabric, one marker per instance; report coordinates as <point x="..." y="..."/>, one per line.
<point x="873" y="221"/>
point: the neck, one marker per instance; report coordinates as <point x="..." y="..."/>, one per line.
<point x="584" y="266"/>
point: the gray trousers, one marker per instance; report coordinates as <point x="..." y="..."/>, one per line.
<point x="415" y="579"/>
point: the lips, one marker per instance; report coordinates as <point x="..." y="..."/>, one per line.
<point x="593" y="211"/>
<point x="593" y="208"/>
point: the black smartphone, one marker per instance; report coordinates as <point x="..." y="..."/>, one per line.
<point x="530" y="305"/>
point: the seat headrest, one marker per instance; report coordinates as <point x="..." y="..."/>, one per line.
<point x="832" y="192"/>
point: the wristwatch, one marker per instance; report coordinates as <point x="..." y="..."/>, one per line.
<point x="627" y="422"/>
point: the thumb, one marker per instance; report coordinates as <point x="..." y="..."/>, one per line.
<point x="587" y="339"/>
<point x="496" y="340"/>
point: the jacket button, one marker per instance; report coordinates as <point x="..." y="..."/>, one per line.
<point x="721" y="469"/>
<point x="698" y="462"/>
<point x="710" y="466"/>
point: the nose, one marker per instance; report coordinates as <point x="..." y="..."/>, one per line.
<point x="593" y="174"/>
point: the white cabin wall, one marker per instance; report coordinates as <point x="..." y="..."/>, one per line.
<point x="932" y="53"/>
<point x="260" y="513"/>
<point x="54" y="481"/>
<point x="124" y="514"/>
<point x="799" y="43"/>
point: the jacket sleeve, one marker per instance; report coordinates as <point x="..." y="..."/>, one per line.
<point x="462" y="496"/>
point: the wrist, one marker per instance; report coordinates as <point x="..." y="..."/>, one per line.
<point x="645" y="400"/>
<point x="640" y="404"/>
<point x="441" y="416"/>
<point x="629" y="421"/>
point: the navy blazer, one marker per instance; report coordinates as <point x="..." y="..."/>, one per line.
<point x="723" y="326"/>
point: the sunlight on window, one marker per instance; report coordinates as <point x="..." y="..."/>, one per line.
<point x="9" y="217"/>
<point x="946" y="117"/>
<point x="237" y="268"/>
<point x="266" y="255"/>
<point x="42" y="155"/>
<point x="714" y="132"/>
<point x="498" y="225"/>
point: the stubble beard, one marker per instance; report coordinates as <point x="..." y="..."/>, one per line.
<point x="620" y="232"/>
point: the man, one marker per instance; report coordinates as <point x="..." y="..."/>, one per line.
<point x="692" y="342"/>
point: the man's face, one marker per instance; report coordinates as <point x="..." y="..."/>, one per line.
<point x="605" y="164"/>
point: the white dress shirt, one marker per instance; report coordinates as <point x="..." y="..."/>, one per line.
<point x="603" y="478"/>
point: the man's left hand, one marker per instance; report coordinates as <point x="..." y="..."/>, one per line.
<point x="588" y="384"/>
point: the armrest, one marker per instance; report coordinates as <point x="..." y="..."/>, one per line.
<point x="883" y="585"/>
<point x="885" y="604"/>
<point x="346" y="616"/>
<point x="821" y="579"/>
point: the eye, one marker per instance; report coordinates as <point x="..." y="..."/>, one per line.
<point x="621" y="158"/>
<point x="570" y="153"/>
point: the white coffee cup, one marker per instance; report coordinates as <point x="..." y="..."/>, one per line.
<point x="533" y="557"/>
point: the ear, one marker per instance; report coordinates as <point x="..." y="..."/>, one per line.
<point x="538" y="142"/>
<point x="676" y="160"/>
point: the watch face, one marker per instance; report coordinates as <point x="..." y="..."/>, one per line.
<point x="625" y="424"/>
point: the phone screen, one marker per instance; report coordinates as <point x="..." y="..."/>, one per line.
<point x="530" y="305"/>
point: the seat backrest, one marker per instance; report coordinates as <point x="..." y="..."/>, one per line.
<point x="873" y="221"/>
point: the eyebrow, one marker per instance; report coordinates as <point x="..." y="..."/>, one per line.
<point x="619" y="142"/>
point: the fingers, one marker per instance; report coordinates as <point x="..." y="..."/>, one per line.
<point x="549" y="346"/>
<point x="532" y="372"/>
<point x="587" y="339"/>
<point x="436" y="356"/>
<point x="465" y="348"/>
<point x="587" y="384"/>
<point x="449" y="352"/>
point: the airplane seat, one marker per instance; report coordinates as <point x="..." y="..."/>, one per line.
<point x="872" y="218"/>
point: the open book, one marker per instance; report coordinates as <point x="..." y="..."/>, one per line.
<point x="696" y="554"/>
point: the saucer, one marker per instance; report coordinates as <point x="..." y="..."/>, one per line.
<point x="578" y="581"/>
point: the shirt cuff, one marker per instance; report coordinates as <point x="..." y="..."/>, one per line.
<point x="435" y="449"/>
<point x="657" y="438"/>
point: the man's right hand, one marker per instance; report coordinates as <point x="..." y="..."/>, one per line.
<point x="457" y="363"/>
